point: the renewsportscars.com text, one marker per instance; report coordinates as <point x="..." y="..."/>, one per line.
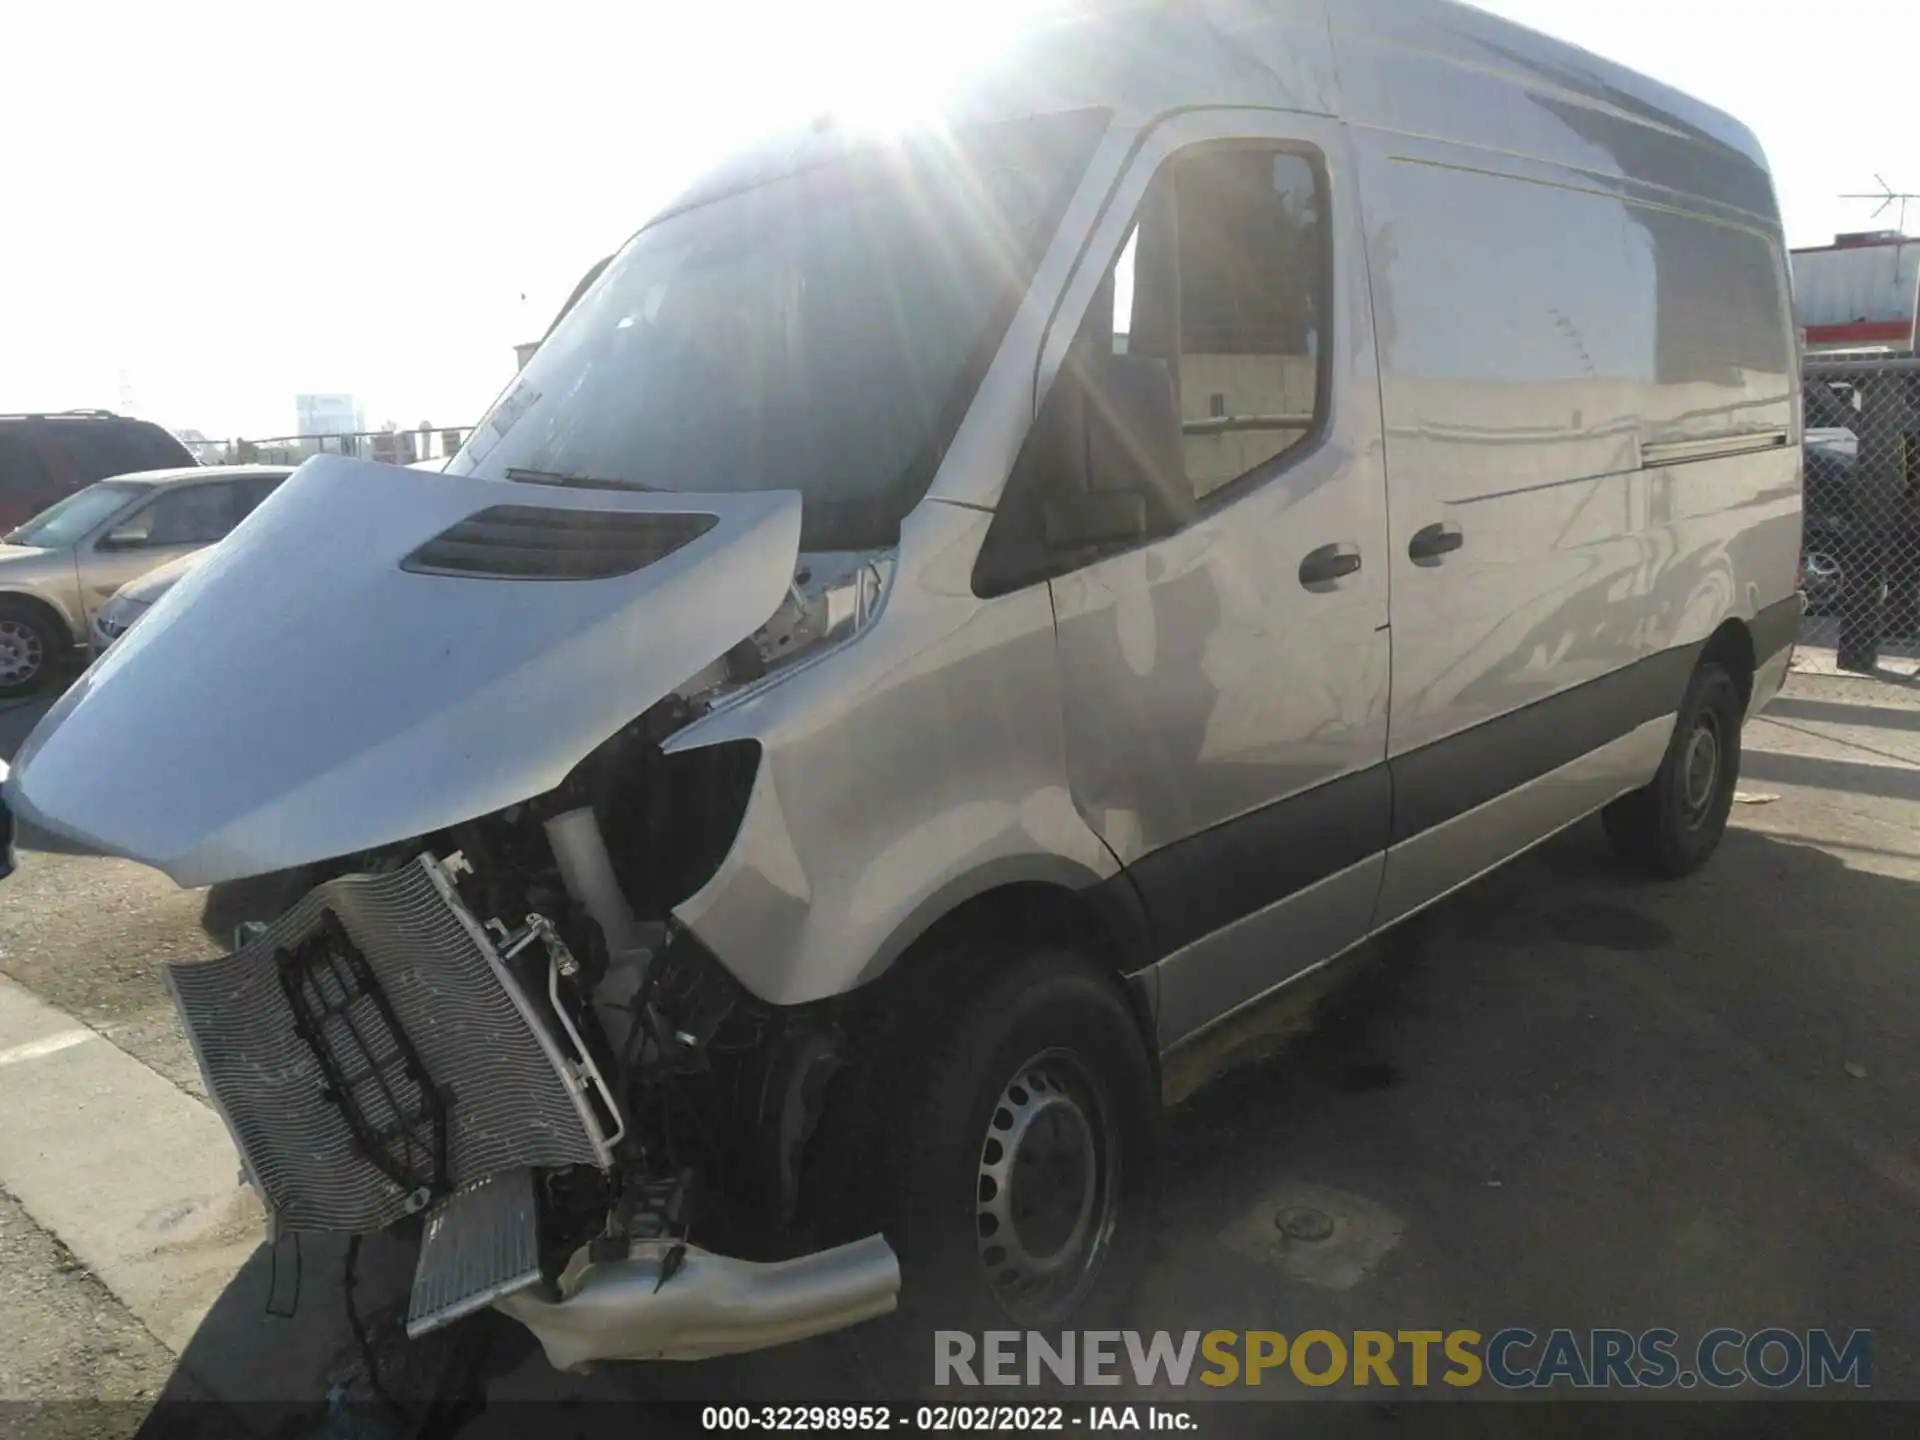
<point x="1512" y="1358"/>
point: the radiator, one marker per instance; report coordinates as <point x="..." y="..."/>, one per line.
<point x="452" y="1071"/>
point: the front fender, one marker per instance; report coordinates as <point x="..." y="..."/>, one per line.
<point x="71" y="614"/>
<point x="901" y="776"/>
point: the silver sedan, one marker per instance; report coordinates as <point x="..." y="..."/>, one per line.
<point x="58" y="570"/>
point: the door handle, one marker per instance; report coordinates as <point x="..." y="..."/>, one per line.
<point x="1329" y="563"/>
<point x="1433" y="541"/>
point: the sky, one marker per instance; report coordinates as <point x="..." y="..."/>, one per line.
<point x="212" y="206"/>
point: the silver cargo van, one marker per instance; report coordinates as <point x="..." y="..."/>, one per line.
<point x="942" y="622"/>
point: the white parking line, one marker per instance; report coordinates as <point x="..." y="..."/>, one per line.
<point x="52" y="1045"/>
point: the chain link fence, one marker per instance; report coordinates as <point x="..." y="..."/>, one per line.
<point x="393" y="447"/>
<point x="1860" y="557"/>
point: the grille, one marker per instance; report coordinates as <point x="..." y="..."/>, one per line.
<point x="374" y="1078"/>
<point x="438" y="1002"/>
<point x="530" y="542"/>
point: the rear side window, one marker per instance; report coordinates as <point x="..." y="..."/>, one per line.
<point x="249" y="494"/>
<point x="1574" y="325"/>
<point x="21" y="471"/>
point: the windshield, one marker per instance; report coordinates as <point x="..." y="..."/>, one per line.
<point x="70" y="520"/>
<point x="820" y="333"/>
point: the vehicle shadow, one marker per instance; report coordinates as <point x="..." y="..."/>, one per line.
<point x="1896" y="781"/>
<point x="278" y="1353"/>
<point x="1843" y="712"/>
<point x="258" y="897"/>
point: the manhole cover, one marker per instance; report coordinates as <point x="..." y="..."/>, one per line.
<point x="1314" y="1233"/>
<point x="1299" y="1222"/>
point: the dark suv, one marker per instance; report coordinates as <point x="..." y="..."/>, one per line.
<point x="44" y="458"/>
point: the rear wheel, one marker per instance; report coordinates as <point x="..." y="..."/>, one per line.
<point x="1018" y="1184"/>
<point x="30" y="649"/>
<point x="1672" y="826"/>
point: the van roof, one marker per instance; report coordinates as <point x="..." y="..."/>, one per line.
<point x="1422" y="67"/>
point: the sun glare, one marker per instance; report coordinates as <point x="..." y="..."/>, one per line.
<point x="900" y="64"/>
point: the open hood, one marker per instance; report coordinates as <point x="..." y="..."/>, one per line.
<point x="302" y="696"/>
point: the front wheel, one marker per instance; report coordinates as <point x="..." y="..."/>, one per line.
<point x="1019" y="1179"/>
<point x="30" y="650"/>
<point x="1673" y="825"/>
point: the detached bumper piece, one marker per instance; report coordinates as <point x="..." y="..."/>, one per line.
<point x="370" y="1053"/>
<point x="709" y="1305"/>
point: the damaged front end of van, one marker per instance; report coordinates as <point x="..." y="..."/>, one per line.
<point x="566" y="974"/>
<point x="444" y="702"/>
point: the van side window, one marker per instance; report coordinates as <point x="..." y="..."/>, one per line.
<point x="1253" y="271"/>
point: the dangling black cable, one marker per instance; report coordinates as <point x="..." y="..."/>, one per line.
<point x="367" y="1359"/>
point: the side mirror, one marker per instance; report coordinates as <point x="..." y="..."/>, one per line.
<point x="1135" y="484"/>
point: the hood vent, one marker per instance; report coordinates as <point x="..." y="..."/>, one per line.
<point x="530" y="542"/>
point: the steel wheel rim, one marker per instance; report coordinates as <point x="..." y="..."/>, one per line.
<point x="21" y="652"/>
<point x="1700" y="767"/>
<point x="1046" y="1191"/>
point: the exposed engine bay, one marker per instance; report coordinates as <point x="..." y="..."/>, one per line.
<point x="500" y="1029"/>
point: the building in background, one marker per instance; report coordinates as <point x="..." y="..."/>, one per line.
<point x="328" y="415"/>
<point x="1859" y="293"/>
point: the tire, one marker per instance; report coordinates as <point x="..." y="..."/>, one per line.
<point x="30" y="649"/>
<point x="1672" y="826"/>
<point x="1017" y="1176"/>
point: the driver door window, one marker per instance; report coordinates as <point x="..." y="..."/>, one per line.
<point x="1248" y="282"/>
<point x="1253" y="271"/>
<point x="1225" y="279"/>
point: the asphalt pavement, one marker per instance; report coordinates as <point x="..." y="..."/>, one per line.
<point x="1566" y="1098"/>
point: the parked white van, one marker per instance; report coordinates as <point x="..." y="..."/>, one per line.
<point x="941" y="623"/>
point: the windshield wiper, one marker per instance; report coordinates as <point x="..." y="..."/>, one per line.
<point x="574" y="482"/>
